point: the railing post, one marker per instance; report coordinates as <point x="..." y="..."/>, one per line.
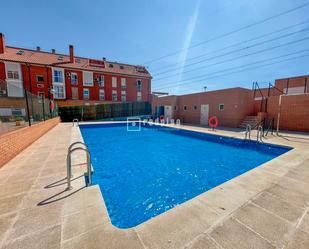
<point x="89" y="170"/>
<point x="43" y="107"/>
<point x="27" y="104"/>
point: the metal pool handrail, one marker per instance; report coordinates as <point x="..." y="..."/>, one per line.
<point x="259" y="134"/>
<point x="71" y="146"/>
<point x="69" y="167"/>
<point x="248" y="131"/>
<point x="75" y="120"/>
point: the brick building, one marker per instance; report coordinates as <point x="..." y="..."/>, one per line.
<point x="234" y="106"/>
<point x="69" y="79"/>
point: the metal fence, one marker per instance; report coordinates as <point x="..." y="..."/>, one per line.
<point x="17" y="112"/>
<point x="104" y="111"/>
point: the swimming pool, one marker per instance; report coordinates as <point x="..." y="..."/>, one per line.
<point x="143" y="174"/>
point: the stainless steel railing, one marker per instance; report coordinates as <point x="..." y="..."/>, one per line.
<point x="248" y="132"/>
<point x="75" y="120"/>
<point x="259" y="134"/>
<point x="69" y="163"/>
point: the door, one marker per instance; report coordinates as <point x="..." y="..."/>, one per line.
<point x="204" y="114"/>
<point x="168" y="111"/>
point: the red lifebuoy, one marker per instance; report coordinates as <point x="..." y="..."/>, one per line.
<point x="213" y="122"/>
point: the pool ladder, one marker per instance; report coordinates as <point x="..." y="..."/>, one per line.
<point x="259" y="134"/>
<point x="248" y="132"/>
<point x="71" y="149"/>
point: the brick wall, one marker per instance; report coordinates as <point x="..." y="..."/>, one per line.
<point x="238" y="103"/>
<point x="294" y="111"/>
<point x="14" y="142"/>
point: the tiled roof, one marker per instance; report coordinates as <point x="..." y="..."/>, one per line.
<point x="52" y="59"/>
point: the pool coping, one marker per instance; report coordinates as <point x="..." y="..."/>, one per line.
<point x="202" y="204"/>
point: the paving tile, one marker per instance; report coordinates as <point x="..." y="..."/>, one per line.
<point x="295" y="185"/>
<point x="226" y="197"/>
<point x="11" y="204"/>
<point x="257" y="180"/>
<point x="285" y="193"/>
<point x="279" y="206"/>
<point x="35" y="219"/>
<point x="267" y="225"/>
<point x="82" y="199"/>
<point x="300" y="240"/>
<point x="232" y="234"/>
<point x="304" y="225"/>
<point x="105" y="236"/>
<point x="299" y="175"/>
<point x="43" y="239"/>
<point x="176" y="227"/>
<point x="5" y="223"/>
<point x="81" y="222"/>
<point x="201" y="242"/>
<point x="10" y="189"/>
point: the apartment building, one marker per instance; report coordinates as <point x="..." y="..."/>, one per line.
<point x="70" y="79"/>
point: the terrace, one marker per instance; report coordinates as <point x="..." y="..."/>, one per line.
<point x="266" y="207"/>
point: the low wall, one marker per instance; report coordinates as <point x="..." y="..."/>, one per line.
<point x="14" y="142"/>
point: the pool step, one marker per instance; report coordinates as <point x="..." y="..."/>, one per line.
<point x="251" y="120"/>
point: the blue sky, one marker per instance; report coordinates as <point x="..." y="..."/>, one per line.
<point x="139" y="31"/>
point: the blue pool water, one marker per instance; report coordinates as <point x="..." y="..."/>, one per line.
<point x="143" y="174"/>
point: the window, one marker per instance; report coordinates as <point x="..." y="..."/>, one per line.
<point x="39" y="78"/>
<point x="74" y="79"/>
<point x="121" y="67"/>
<point x="58" y="76"/>
<point x="86" y="93"/>
<point x="139" y="85"/>
<point x="101" y="81"/>
<point x="12" y="71"/>
<point x="184" y="107"/>
<point x="111" y="65"/>
<point x="59" y="91"/>
<point x="123" y="96"/>
<point x="88" y="78"/>
<point x="114" y="82"/>
<point x="221" y="107"/>
<point x="114" y="95"/>
<point x="139" y="96"/>
<point x="102" y="94"/>
<point x="123" y="83"/>
<point x="41" y="94"/>
<point x="14" y="80"/>
<point x="175" y="107"/>
<point x="74" y="93"/>
<point x="195" y="108"/>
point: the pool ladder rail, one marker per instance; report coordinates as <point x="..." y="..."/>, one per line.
<point x="248" y="132"/>
<point x="259" y="134"/>
<point x="75" y="120"/>
<point x="71" y="149"/>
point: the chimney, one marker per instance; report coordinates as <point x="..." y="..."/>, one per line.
<point x="2" y="43"/>
<point x="38" y="48"/>
<point x="53" y="51"/>
<point x="71" y="53"/>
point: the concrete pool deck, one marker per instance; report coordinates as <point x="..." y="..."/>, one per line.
<point x="267" y="207"/>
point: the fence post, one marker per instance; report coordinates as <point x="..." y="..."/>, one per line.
<point x="27" y="103"/>
<point x="43" y="101"/>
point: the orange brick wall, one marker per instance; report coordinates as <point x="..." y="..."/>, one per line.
<point x="238" y="103"/>
<point x="294" y="112"/>
<point x="14" y="142"/>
